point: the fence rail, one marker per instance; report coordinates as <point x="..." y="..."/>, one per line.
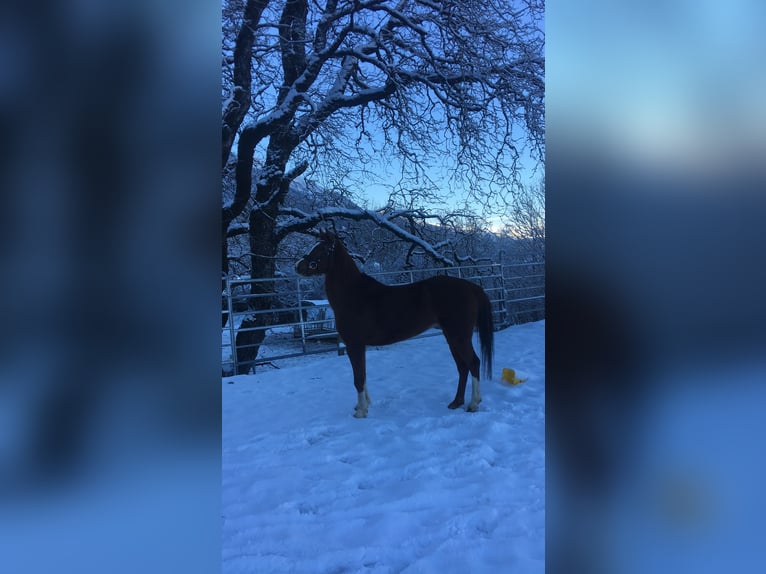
<point x="291" y="320"/>
<point x="525" y="291"/>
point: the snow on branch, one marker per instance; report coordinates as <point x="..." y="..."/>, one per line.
<point x="302" y="221"/>
<point x="237" y="229"/>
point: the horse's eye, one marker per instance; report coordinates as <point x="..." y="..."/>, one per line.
<point x="312" y="265"/>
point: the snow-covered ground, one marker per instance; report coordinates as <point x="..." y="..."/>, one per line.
<point x="415" y="487"/>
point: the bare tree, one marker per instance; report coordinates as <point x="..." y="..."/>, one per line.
<point x="328" y="85"/>
<point x="527" y="220"/>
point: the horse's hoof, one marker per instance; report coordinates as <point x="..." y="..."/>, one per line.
<point x="454" y="405"/>
<point x="360" y="415"/>
<point x="472" y="408"/>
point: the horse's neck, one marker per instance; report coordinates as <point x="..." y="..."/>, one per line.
<point x="340" y="275"/>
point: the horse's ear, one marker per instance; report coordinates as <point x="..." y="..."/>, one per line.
<point x="326" y="236"/>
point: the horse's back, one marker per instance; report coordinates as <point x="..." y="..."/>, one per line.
<point x="452" y="298"/>
<point x="451" y="288"/>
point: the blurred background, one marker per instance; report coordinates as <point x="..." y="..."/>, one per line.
<point x="109" y="396"/>
<point x="109" y="299"/>
<point x="656" y="321"/>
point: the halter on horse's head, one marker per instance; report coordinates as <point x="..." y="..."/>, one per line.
<point x="317" y="261"/>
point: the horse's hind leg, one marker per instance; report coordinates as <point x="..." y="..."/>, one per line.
<point x="467" y="361"/>
<point x="462" y="369"/>
<point x="459" y="399"/>
<point x="473" y="361"/>
<point x="473" y="406"/>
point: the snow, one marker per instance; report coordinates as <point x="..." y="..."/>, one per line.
<point x="415" y="487"/>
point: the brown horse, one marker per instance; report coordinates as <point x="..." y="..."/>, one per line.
<point x="370" y="313"/>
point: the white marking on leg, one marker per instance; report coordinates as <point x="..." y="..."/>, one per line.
<point x="363" y="401"/>
<point x="475" y="395"/>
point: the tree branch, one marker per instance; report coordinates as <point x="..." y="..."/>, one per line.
<point x="239" y="103"/>
<point x="303" y="221"/>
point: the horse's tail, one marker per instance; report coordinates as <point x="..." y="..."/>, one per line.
<point x="486" y="329"/>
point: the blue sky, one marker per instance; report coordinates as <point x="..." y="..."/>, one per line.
<point x="388" y="173"/>
<point x="664" y="82"/>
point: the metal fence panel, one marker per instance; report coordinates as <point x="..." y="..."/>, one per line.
<point x="525" y="286"/>
<point x="301" y="326"/>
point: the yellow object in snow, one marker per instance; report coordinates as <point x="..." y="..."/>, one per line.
<point x="509" y="376"/>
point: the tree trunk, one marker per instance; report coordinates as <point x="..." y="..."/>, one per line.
<point x="225" y="273"/>
<point x="270" y="192"/>
<point x="263" y="248"/>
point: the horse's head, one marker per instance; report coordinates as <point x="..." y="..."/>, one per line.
<point x="317" y="261"/>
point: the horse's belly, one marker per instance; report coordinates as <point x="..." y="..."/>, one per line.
<point x="388" y="334"/>
<point x="381" y="326"/>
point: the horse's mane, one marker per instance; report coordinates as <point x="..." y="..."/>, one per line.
<point x="370" y="284"/>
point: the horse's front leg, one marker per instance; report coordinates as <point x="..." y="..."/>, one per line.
<point x="356" y="354"/>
